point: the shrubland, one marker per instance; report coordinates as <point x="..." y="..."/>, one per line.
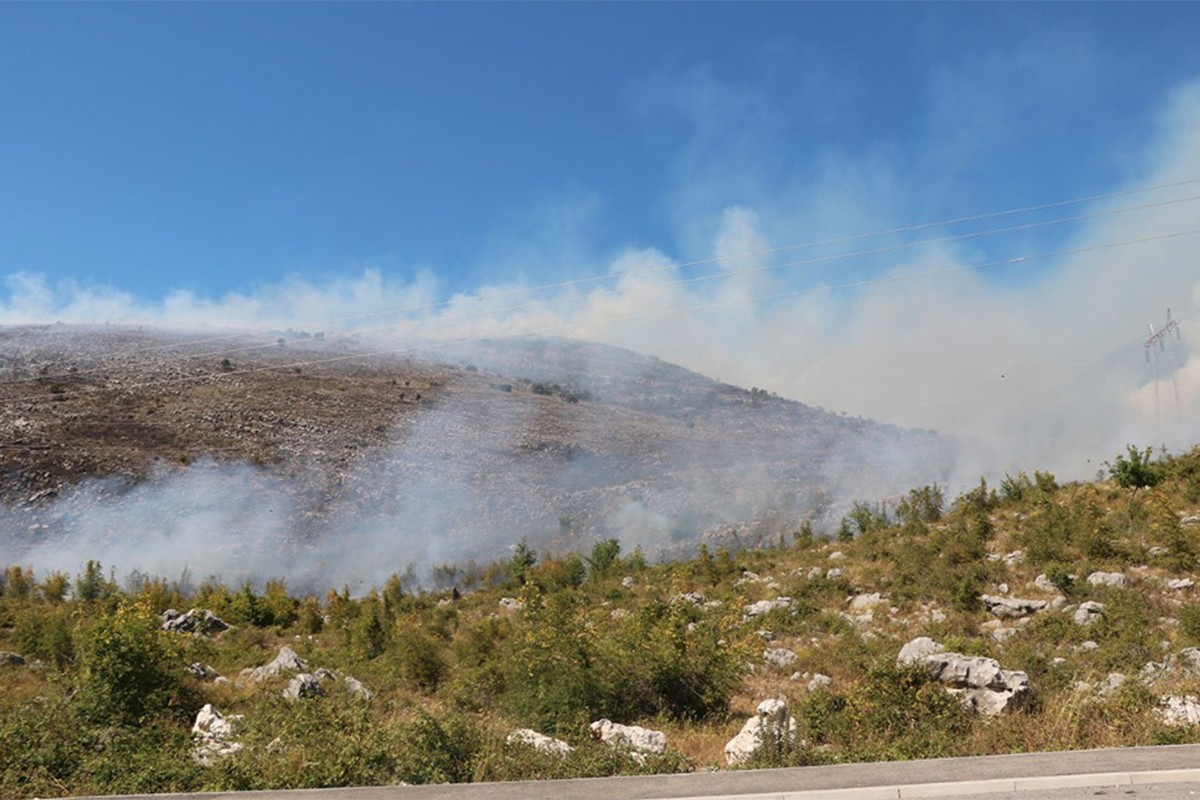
<point x="552" y="642"/>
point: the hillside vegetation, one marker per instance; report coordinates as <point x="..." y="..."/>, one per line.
<point x="1086" y="588"/>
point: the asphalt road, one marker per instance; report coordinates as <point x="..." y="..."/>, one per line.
<point x="1158" y="773"/>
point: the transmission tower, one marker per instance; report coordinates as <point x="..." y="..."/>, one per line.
<point x="1157" y="343"/>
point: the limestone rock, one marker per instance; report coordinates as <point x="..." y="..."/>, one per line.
<point x="981" y="683"/>
<point x="771" y="722"/>
<point x="212" y="735"/>
<point x="511" y="604"/>
<point x="201" y="671"/>
<point x="863" y="603"/>
<point x="1114" y="579"/>
<point x="1179" y="584"/>
<point x="818" y="682"/>
<point x="1179" y="710"/>
<point x="303" y="685"/>
<point x="639" y="741"/>
<point x="357" y="688"/>
<point x="767" y="606"/>
<point x="287" y="660"/>
<point x="539" y="742"/>
<point x="779" y="657"/>
<point x="1011" y="607"/>
<point x="198" y="621"/>
<point x="1088" y="612"/>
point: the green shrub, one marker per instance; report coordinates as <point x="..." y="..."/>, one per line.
<point x="131" y="670"/>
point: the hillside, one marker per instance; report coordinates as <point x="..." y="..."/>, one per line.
<point x="422" y="456"/>
<point x="1021" y="617"/>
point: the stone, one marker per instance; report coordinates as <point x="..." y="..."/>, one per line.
<point x="1179" y="710"/>
<point x="1180" y="583"/>
<point x="1088" y="612"/>
<point x="539" y="742"/>
<point x="286" y="660"/>
<point x="1190" y="520"/>
<point x="212" y="734"/>
<point x="198" y="621"/>
<point x="1043" y="583"/>
<point x="626" y="583"/>
<point x="1088" y="646"/>
<point x="639" y="741"/>
<point x="302" y="686"/>
<point x="1114" y="579"/>
<point x="201" y="671"/>
<point x="1011" y="607"/>
<point x="691" y="598"/>
<point x="1154" y="552"/>
<point x="357" y="688"/>
<point x="819" y="682"/>
<point x="833" y="574"/>
<point x="836" y="555"/>
<point x="11" y="659"/>
<point x="770" y="722"/>
<point x="767" y="606"/>
<point x="1186" y="660"/>
<point x="1114" y="681"/>
<point x="862" y="603"/>
<point x="815" y="573"/>
<point x="980" y="683"/>
<point x="511" y="604"/>
<point x="779" y="657"/>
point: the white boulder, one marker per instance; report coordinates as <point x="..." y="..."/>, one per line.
<point x="771" y="722"/>
<point x="539" y="742"/>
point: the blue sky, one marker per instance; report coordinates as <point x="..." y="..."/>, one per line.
<point x="279" y="164"/>
<point x="218" y="147"/>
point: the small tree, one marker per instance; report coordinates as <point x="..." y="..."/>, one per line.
<point x="1135" y="471"/>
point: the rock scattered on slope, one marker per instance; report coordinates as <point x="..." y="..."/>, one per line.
<point x="286" y="661"/>
<point x="539" y="742"/>
<point x="201" y="672"/>
<point x="767" y="606"/>
<point x="302" y="686"/>
<point x="771" y="723"/>
<point x="1179" y="710"/>
<point x="11" y="659"/>
<point x="1011" y="607"/>
<point x="197" y="621"/>
<point x="1114" y="579"/>
<point x="639" y="741"/>
<point x="213" y="734"/>
<point x="818" y="682"/>
<point x="779" y="657"/>
<point x="979" y="682"/>
<point x="1088" y="612"/>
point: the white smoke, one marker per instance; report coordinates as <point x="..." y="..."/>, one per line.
<point x="1042" y="369"/>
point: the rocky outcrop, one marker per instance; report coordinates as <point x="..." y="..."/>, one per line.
<point x="302" y="686"/>
<point x="1088" y="612"/>
<point x="201" y="672"/>
<point x="771" y="723"/>
<point x="1179" y="710"/>
<point x="638" y="741"/>
<point x="11" y="659"/>
<point x="1011" y="607"/>
<point x="198" y="622"/>
<point x="212" y="736"/>
<point x="1115" y="579"/>
<point x="539" y="742"/>
<point x="980" y="682"/>
<point x="779" y="657"/>
<point x="286" y="661"/>
<point x="767" y="606"/>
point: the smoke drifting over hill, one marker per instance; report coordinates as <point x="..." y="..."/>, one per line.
<point x="1035" y="364"/>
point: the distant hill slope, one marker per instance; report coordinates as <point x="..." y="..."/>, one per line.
<point x="400" y="458"/>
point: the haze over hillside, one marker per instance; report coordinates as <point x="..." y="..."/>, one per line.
<point x="326" y="460"/>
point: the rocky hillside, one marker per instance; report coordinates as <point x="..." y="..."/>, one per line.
<point x="553" y="441"/>
<point x="1014" y="618"/>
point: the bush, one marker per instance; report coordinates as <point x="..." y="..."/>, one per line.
<point x="131" y="671"/>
